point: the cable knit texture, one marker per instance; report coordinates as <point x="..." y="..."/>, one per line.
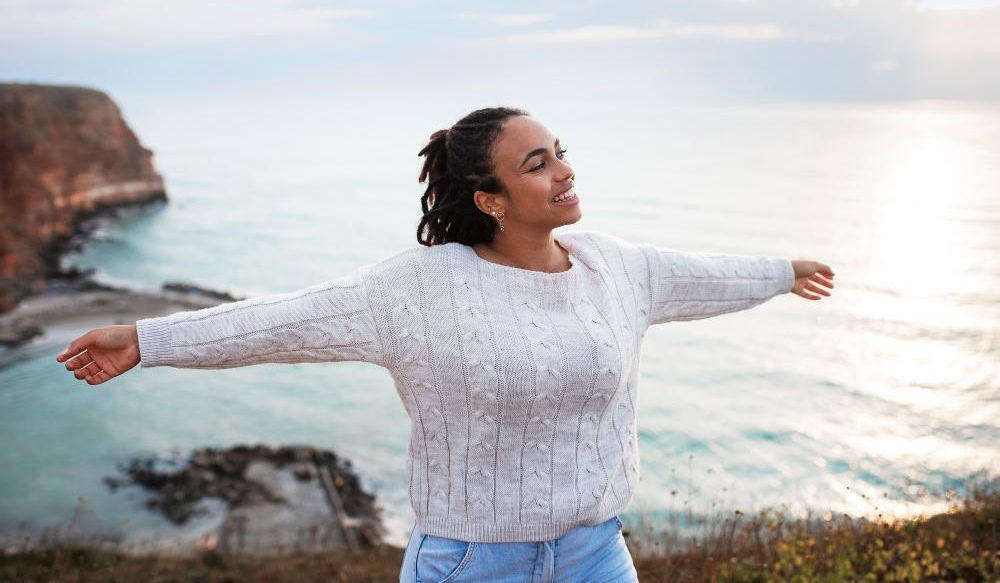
<point x="521" y="385"/>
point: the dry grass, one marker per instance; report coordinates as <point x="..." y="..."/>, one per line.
<point x="73" y="564"/>
<point x="958" y="545"/>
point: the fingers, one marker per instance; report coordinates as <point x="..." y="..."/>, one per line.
<point x="821" y="280"/>
<point x="79" y="361"/>
<point x="76" y="346"/>
<point x="86" y="370"/>
<point x="92" y="373"/>
<point x="808" y="296"/>
<point x="97" y="378"/>
<point x="809" y="286"/>
<point x="83" y="365"/>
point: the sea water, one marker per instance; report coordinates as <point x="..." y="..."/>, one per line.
<point x="882" y="399"/>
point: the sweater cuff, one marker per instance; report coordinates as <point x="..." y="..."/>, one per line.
<point x="787" y="275"/>
<point x="154" y="341"/>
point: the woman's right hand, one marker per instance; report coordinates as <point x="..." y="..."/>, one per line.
<point x="102" y="353"/>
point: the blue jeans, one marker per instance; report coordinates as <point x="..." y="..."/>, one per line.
<point x="585" y="553"/>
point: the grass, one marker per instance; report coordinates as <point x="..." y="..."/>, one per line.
<point x="958" y="545"/>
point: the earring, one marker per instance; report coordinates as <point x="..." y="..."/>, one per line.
<point x="499" y="219"/>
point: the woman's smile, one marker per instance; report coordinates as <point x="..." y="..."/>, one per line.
<point x="567" y="198"/>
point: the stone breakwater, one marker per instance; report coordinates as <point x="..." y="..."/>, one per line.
<point x="271" y="493"/>
<point x="66" y="155"/>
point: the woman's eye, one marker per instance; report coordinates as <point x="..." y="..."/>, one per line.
<point x="559" y="154"/>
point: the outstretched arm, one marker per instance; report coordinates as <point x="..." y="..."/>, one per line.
<point x="330" y="321"/>
<point x="692" y="286"/>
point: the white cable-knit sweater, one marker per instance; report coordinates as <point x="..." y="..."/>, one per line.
<point x="521" y="385"/>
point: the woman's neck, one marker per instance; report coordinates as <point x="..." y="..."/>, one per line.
<point x="535" y="254"/>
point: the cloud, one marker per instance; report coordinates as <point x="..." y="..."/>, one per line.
<point x="737" y="32"/>
<point x="176" y="21"/>
<point x="506" y="19"/>
<point x="927" y="5"/>
<point x="726" y="48"/>
<point x="661" y="29"/>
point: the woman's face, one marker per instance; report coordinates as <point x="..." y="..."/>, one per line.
<point x="532" y="164"/>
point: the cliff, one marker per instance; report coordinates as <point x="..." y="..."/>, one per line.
<point x="66" y="154"/>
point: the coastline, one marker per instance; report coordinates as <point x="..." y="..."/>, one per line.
<point x="315" y="503"/>
<point x="71" y="297"/>
<point x="97" y="304"/>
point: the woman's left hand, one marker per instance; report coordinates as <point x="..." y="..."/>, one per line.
<point x="808" y="274"/>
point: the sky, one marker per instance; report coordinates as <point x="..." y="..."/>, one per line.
<point x="664" y="51"/>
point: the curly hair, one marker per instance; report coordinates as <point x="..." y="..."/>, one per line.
<point x="459" y="162"/>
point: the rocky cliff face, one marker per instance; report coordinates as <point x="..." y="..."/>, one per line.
<point x="65" y="154"/>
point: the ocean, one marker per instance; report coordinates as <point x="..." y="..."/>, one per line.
<point x="882" y="399"/>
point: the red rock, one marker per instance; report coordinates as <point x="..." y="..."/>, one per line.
<point x="66" y="153"/>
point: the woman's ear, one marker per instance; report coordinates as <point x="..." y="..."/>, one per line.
<point x="486" y="201"/>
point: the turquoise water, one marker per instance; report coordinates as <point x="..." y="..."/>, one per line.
<point x="877" y="400"/>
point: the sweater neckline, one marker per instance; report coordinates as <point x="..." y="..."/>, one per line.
<point x="530" y="272"/>
<point x="535" y="281"/>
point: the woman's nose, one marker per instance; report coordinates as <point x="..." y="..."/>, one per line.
<point x="567" y="169"/>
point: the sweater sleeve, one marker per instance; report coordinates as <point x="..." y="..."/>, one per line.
<point x="327" y="322"/>
<point x="692" y="286"/>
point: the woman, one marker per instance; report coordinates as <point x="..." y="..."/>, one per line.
<point x="514" y="351"/>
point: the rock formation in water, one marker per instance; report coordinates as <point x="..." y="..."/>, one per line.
<point x="66" y="154"/>
<point x="271" y="492"/>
